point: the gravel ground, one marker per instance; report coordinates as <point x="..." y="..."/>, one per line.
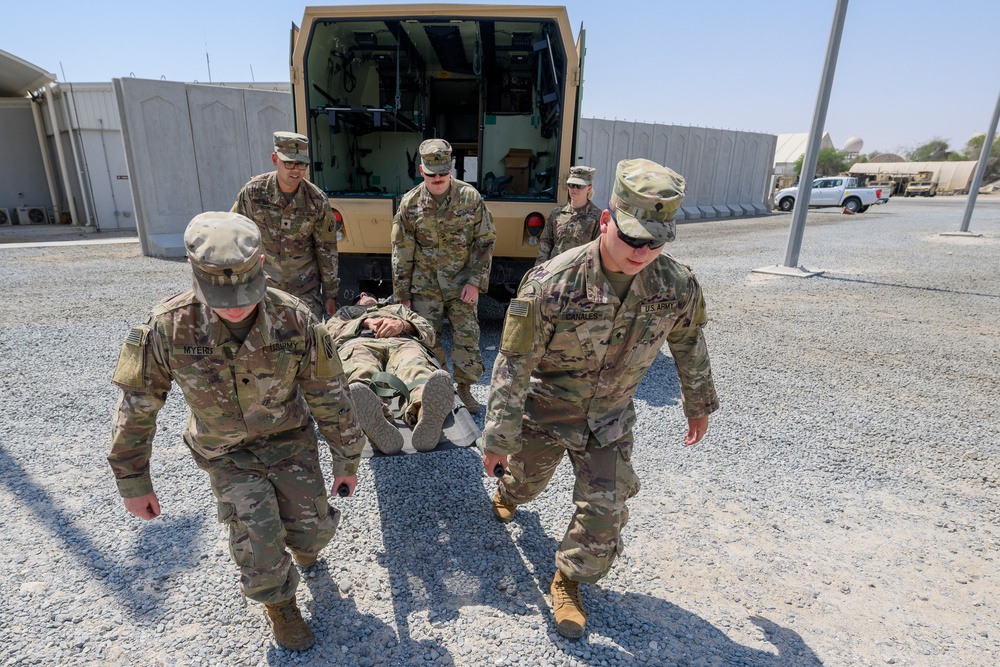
<point x="841" y="511"/>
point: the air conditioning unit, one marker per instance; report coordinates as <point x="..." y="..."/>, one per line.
<point x="31" y="215"/>
<point x="5" y="217"/>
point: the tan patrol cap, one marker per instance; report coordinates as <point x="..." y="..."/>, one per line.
<point x="435" y="156"/>
<point x="224" y="251"/>
<point x="291" y="147"/>
<point x="581" y="175"/>
<point x="645" y="197"/>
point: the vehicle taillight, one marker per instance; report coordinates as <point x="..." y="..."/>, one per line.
<point x="339" y="219"/>
<point x="534" y="223"/>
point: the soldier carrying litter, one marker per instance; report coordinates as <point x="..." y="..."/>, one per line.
<point x="255" y="368"/>
<point x="576" y="342"/>
<point x="442" y="246"/>
<point x="296" y="224"/>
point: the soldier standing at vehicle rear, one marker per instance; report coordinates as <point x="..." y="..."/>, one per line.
<point x="576" y="342"/>
<point x="297" y="225"/>
<point x="256" y="369"/>
<point x="574" y="224"/>
<point x="442" y="247"/>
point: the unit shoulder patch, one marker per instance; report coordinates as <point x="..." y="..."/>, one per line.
<point x="519" y="327"/>
<point x="130" y="372"/>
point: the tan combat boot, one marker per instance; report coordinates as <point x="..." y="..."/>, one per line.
<point x="502" y="510"/>
<point x="290" y="631"/>
<point x="303" y="560"/>
<point x="570" y="615"/>
<point x="436" y="402"/>
<point x="383" y="435"/>
<point x="465" y="395"/>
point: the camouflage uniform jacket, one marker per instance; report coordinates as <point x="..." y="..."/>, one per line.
<point x="572" y="364"/>
<point x="567" y="228"/>
<point x="345" y="325"/>
<point x="440" y="249"/>
<point x="250" y="403"/>
<point x="300" y="237"/>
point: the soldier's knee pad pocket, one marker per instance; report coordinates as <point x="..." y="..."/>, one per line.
<point x="240" y="547"/>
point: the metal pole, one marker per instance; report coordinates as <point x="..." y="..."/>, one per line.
<point x="50" y="102"/>
<point x="80" y="171"/>
<point x="977" y="180"/>
<point x="815" y="136"/>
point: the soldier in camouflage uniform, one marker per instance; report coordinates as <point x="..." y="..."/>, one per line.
<point x="574" y="224"/>
<point x="297" y="225"/>
<point x="583" y="331"/>
<point x="442" y="247"/>
<point x="255" y="368"/>
<point x="381" y="344"/>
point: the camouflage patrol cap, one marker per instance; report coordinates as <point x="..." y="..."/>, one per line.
<point x="581" y="175"/>
<point x="224" y="251"/>
<point x="291" y="147"/>
<point x="435" y="156"/>
<point x="645" y="197"/>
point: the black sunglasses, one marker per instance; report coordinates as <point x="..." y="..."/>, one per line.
<point x="633" y="242"/>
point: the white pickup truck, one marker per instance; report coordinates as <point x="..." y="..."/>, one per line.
<point x="834" y="191"/>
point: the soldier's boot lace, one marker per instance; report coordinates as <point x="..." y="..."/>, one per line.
<point x="436" y="402"/>
<point x="465" y="394"/>
<point x="303" y="560"/>
<point x="290" y="631"/>
<point x="567" y="607"/>
<point x="383" y="435"/>
<point x="502" y="510"/>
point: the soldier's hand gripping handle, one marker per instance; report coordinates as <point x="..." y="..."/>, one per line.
<point x="495" y="464"/>
<point x="343" y="490"/>
<point x="498" y="470"/>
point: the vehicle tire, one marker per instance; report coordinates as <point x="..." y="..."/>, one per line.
<point x="786" y="204"/>
<point x="853" y="205"/>
<point x="932" y="193"/>
<point x="864" y="208"/>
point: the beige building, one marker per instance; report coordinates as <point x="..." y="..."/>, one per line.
<point x="952" y="178"/>
<point x="789" y="149"/>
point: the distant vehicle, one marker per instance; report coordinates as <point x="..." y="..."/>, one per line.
<point x="922" y="185"/>
<point x="886" y="183"/>
<point x="836" y="191"/>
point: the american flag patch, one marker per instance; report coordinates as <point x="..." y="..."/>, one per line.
<point x="519" y="307"/>
<point x="134" y="336"/>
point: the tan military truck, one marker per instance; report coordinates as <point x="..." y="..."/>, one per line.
<point x="921" y="185"/>
<point x="500" y="83"/>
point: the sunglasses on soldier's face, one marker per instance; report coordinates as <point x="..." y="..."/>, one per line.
<point x="292" y="165"/>
<point x="632" y="241"/>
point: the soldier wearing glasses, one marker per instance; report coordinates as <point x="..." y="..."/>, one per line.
<point x="296" y="224"/>
<point x="585" y="328"/>
<point x="576" y="223"/>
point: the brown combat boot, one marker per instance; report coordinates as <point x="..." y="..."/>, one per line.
<point x="290" y="631"/>
<point x="303" y="560"/>
<point x="383" y="434"/>
<point x="502" y="510"/>
<point x="465" y="395"/>
<point x="436" y="403"/>
<point x="570" y="615"/>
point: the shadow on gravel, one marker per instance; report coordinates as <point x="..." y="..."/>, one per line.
<point x="443" y="551"/>
<point x="659" y="387"/>
<point x="922" y="288"/>
<point x="159" y="550"/>
<point x="647" y="629"/>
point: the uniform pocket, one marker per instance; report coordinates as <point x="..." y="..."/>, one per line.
<point x="239" y="537"/>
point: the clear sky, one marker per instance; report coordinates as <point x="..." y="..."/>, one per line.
<point x="908" y="71"/>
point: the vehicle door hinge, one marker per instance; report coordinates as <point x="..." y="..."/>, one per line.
<point x="575" y="76"/>
<point x="295" y="75"/>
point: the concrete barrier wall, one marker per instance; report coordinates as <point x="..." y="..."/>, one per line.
<point x="727" y="171"/>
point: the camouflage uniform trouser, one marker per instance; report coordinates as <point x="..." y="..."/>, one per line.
<point x="466" y="359"/>
<point x="605" y="479"/>
<point x="269" y="508"/>
<point x="407" y="359"/>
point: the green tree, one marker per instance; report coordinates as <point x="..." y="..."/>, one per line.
<point x="974" y="147"/>
<point x="829" y="162"/>
<point x="935" y="150"/>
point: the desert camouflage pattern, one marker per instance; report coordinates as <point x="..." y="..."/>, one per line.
<point x="571" y="358"/>
<point x="566" y="228"/>
<point x="410" y="358"/>
<point x="436" y="251"/>
<point x="587" y="354"/>
<point x="269" y="510"/>
<point x="253" y="403"/>
<point x="646" y="196"/>
<point x="300" y="238"/>
<point x="291" y="146"/>
<point x="435" y="156"/>
<point x="605" y="480"/>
